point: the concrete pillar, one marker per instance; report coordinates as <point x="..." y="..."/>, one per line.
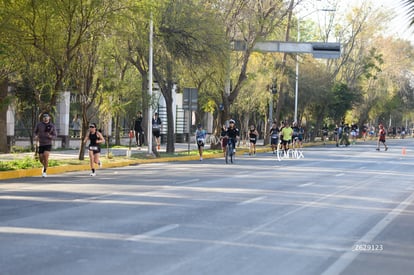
<point x="62" y="118"/>
<point x="10" y="122"/>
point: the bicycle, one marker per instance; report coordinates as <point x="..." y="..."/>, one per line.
<point x="230" y="151"/>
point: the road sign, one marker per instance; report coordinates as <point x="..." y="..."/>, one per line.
<point x="190" y="99"/>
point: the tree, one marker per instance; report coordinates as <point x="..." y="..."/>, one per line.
<point x="409" y="4"/>
<point x="248" y="21"/>
<point x="190" y="36"/>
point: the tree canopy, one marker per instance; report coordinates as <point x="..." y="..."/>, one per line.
<point x="98" y="50"/>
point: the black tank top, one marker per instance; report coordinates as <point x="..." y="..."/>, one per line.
<point x="93" y="138"/>
<point x="252" y="134"/>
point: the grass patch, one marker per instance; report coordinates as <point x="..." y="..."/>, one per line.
<point x="29" y="162"/>
<point x="25" y="163"/>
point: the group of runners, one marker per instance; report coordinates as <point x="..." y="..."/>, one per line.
<point x="44" y="133"/>
<point x="284" y="137"/>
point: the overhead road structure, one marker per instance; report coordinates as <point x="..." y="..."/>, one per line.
<point x="325" y="50"/>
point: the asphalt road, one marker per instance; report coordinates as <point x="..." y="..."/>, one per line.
<point x="336" y="211"/>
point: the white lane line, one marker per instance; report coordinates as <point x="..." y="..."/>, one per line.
<point x="187" y="181"/>
<point x="85" y="234"/>
<point x="307" y="184"/>
<point x="153" y="233"/>
<point x="252" y="200"/>
<point x="339" y="175"/>
<point x="348" y="257"/>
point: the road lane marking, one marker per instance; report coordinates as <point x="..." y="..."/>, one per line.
<point x="153" y="233"/>
<point x="348" y="257"/>
<point x="307" y="184"/>
<point x="86" y="234"/>
<point x="252" y="200"/>
<point x="187" y="181"/>
<point x="339" y="175"/>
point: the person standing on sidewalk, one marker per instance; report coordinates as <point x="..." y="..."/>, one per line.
<point x="200" y="136"/>
<point x="381" y="137"/>
<point x="156" y="129"/>
<point x="76" y="126"/>
<point x="96" y="139"/>
<point x="44" y="133"/>
<point x="139" y="132"/>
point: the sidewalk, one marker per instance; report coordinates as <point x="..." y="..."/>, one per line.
<point x="120" y="162"/>
<point x="67" y="154"/>
<point x="59" y="154"/>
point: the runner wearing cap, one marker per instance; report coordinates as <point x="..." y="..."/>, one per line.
<point x="232" y="133"/>
<point x="200" y="136"/>
<point x="44" y="133"/>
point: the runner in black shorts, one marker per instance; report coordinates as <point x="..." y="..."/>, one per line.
<point x="274" y="137"/>
<point x="253" y="136"/>
<point x="96" y="139"/>
<point x="44" y="133"/>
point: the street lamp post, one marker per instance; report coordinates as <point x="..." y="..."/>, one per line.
<point x="297" y="62"/>
<point x="150" y="82"/>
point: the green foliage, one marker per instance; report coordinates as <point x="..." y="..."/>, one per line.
<point x="98" y="49"/>
<point x="25" y="163"/>
<point x="372" y="64"/>
<point x="344" y="98"/>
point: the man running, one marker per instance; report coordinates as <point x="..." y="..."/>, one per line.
<point x="286" y="135"/>
<point x="381" y="137"/>
<point x="44" y="133"/>
<point x="274" y="137"/>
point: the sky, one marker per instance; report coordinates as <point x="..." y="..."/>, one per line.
<point x="398" y="27"/>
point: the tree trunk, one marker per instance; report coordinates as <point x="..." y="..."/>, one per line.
<point x="4" y="148"/>
<point x="169" y="103"/>
<point x="117" y="131"/>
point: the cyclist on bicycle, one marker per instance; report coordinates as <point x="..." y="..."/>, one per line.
<point x="232" y="134"/>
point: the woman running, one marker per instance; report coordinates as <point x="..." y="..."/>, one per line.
<point x="253" y="136"/>
<point x="95" y="138"/>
